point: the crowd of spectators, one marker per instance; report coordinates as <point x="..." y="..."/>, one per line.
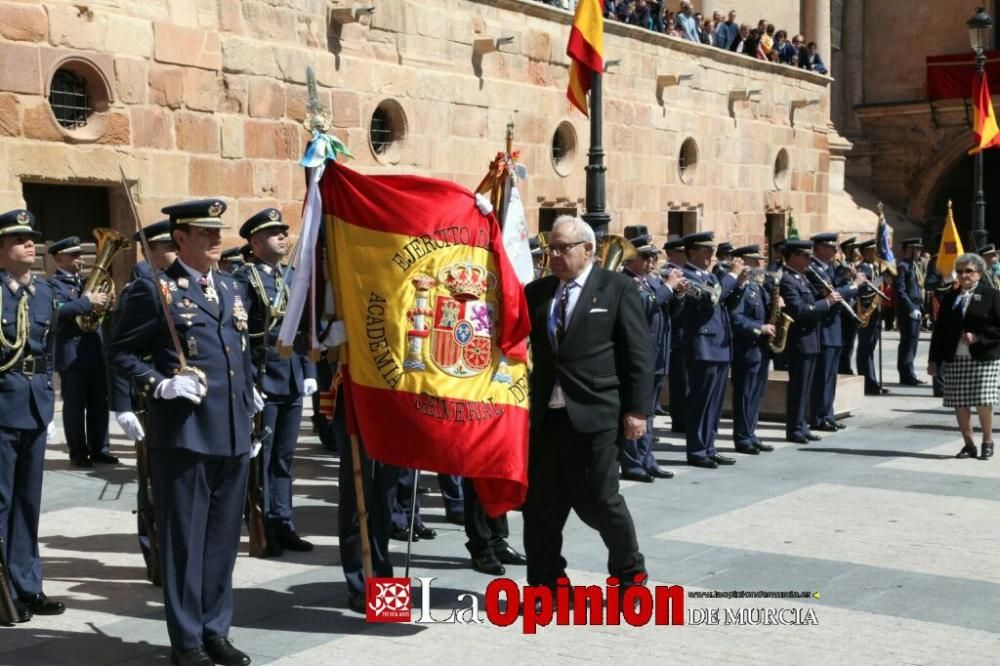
<point x="763" y="42"/>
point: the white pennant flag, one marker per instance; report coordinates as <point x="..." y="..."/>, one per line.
<point x="515" y="236"/>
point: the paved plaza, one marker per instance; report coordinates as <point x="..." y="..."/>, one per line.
<point x="899" y="539"/>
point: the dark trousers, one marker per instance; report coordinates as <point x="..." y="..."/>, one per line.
<point x="324" y="426"/>
<point x="706" y="390"/>
<point x="283" y="415"/>
<point x="85" y="410"/>
<point x="868" y="339"/>
<point x="484" y="533"/>
<point x="801" y="370"/>
<point x="677" y="380"/>
<point x="579" y="471"/>
<point x="22" y="457"/>
<point x="636" y="455"/>
<point x="376" y="481"/>
<point x="403" y="498"/>
<point x="199" y="514"/>
<point x="824" y="386"/>
<point x="849" y="329"/>
<point x="781" y="361"/>
<point x="909" y="338"/>
<point x="749" y="382"/>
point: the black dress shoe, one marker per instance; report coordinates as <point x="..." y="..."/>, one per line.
<point x="293" y="541"/>
<point x="761" y="446"/>
<point x="457" y="518"/>
<point x="23" y="614"/>
<point x="222" y="651"/>
<point x="424" y="532"/>
<point x="797" y="439"/>
<point x="193" y="657"/>
<point x="39" y="604"/>
<point x="749" y="450"/>
<point x="508" y="555"/>
<point x="707" y="463"/>
<point x="813" y="438"/>
<point x="80" y="461"/>
<point x="837" y="424"/>
<point x="987" y="451"/>
<point x="636" y="476"/>
<point x="825" y="427"/>
<point x="402" y="534"/>
<point x="723" y="460"/>
<point x="488" y="564"/>
<point x="660" y="473"/>
<point x="661" y="412"/>
<point x="913" y="382"/>
<point x="968" y="451"/>
<point x="356" y="602"/>
<point x="105" y="458"/>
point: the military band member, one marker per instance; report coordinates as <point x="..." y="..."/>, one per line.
<point x="286" y="380"/>
<point x="231" y="259"/>
<point x="636" y="455"/>
<point x="909" y="289"/>
<point x="199" y="426"/>
<point x="677" y="370"/>
<point x="774" y="268"/>
<point x="723" y="253"/>
<point x="27" y="407"/>
<point x="870" y="335"/>
<point x="751" y="355"/>
<point x="707" y="348"/>
<point x="161" y="246"/>
<point x="806" y="308"/>
<point x="79" y="359"/>
<point x="831" y="331"/>
<point x="845" y="271"/>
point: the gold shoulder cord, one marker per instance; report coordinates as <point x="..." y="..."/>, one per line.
<point x="20" y="343"/>
<point x="275" y="313"/>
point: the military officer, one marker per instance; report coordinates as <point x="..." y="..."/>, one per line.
<point x="821" y="274"/>
<point x="537" y="255"/>
<point x="79" y="359"/>
<point x="27" y="407"/>
<point x="676" y="364"/>
<point x="844" y="271"/>
<point x="751" y="333"/>
<point x="870" y="335"/>
<point x="722" y="256"/>
<point x="231" y="259"/>
<point x="636" y="455"/>
<point x="806" y="308"/>
<point x="283" y="380"/>
<point x="909" y="310"/>
<point x="989" y="254"/>
<point x="707" y="348"/>
<point x="199" y="448"/>
<point x="161" y="245"/>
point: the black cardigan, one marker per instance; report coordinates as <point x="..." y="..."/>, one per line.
<point x="982" y="318"/>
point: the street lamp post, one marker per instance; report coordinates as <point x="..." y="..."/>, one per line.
<point x="979" y="28"/>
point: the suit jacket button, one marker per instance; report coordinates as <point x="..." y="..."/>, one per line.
<point x="232" y="373"/>
<point x="227" y="349"/>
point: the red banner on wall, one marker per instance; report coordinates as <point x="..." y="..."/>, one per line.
<point x="951" y="76"/>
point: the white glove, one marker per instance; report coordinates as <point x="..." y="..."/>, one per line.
<point x="258" y="401"/>
<point x="181" y="385"/>
<point x="334" y="336"/>
<point x="483" y="204"/>
<point x="309" y="386"/>
<point x="129" y="422"/>
<point x="915" y="314"/>
<point x="50" y="431"/>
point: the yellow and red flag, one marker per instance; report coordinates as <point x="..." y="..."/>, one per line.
<point x="436" y="323"/>
<point x="950" y="248"/>
<point x="585" y="50"/>
<point x="986" y="134"/>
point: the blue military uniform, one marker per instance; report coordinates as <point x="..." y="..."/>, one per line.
<point x="831" y="338"/>
<point x="27" y="406"/>
<point x="909" y="299"/>
<point x="751" y="356"/>
<point x="198" y="452"/>
<point x="282" y="379"/>
<point x="708" y="352"/>
<point x="870" y="336"/>
<point x="79" y="360"/>
<point x="676" y="363"/>
<point x="802" y="350"/>
<point x="774" y="267"/>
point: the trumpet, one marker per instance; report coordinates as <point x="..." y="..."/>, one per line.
<point x="698" y="291"/>
<point x="829" y="287"/>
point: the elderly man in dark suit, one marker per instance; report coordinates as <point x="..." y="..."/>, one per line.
<point x="591" y="380"/>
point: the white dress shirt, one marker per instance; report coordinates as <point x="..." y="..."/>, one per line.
<point x="558" y="400"/>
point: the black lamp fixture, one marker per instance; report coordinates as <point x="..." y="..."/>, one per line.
<point x="979" y="30"/>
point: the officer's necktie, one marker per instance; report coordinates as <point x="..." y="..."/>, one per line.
<point x="561" y="309"/>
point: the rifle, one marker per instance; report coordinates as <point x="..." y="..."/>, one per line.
<point x="8" y="611"/>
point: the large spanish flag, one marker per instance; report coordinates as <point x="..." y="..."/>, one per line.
<point x="585" y="50"/>
<point x="436" y="326"/>
<point x="986" y="134"/>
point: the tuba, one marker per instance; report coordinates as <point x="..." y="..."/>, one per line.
<point x="613" y="252"/>
<point x="543" y="245"/>
<point x="778" y="318"/>
<point x="109" y="244"/>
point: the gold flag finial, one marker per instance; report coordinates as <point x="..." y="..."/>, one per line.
<point x="949" y="205"/>
<point x="510" y="135"/>
<point x="880" y="208"/>
<point x="316" y="120"/>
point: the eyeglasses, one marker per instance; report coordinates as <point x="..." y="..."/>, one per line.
<point x="967" y="271"/>
<point x="562" y="248"/>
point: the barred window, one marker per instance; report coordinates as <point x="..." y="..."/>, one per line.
<point x="69" y="99"/>
<point x="381" y="134"/>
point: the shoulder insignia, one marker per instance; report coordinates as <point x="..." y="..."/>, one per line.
<point x="183" y="282"/>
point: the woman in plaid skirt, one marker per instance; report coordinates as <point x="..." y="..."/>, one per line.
<point x="965" y="349"/>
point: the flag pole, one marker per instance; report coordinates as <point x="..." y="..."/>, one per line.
<point x="596" y="215"/>
<point x="979" y="206"/>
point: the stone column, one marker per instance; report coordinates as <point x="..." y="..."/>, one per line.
<point x="816" y="26"/>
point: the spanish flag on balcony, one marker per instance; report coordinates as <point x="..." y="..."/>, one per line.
<point x="986" y="134"/>
<point x="585" y="50"/>
<point x="436" y="324"/>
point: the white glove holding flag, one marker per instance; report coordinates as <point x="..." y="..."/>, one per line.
<point x="182" y="385"/>
<point x="334" y="335"/>
<point x="258" y="401"/>
<point x="309" y="386"/>
<point x="915" y="315"/>
<point x="129" y="422"/>
<point x="483" y="204"/>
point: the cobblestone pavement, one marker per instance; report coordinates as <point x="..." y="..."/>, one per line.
<point x="899" y="540"/>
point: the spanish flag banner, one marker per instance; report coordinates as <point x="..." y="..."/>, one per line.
<point x="986" y="133"/>
<point x="950" y="248"/>
<point x="585" y="50"/>
<point x="436" y="325"/>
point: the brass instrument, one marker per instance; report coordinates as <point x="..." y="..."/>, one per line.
<point x="613" y="252"/>
<point x="778" y="318"/>
<point x="109" y="244"/>
<point x="543" y="245"/>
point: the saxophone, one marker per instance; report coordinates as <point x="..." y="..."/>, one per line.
<point x="865" y="313"/>
<point x="109" y="243"/>
<point x="780" y="320"/>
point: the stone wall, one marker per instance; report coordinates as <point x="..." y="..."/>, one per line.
<point x="206" y="98"/>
